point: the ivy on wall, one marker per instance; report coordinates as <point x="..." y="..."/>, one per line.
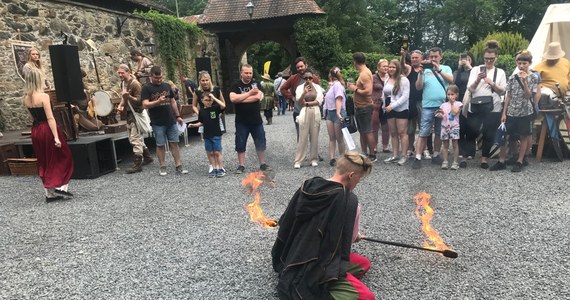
<point x="173" y="39"/>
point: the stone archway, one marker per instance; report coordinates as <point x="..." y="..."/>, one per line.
<point x="237" y="31"/>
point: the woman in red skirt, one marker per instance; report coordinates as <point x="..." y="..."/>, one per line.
<point x="54" y="157"/>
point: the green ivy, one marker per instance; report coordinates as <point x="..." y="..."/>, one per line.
<point x="2" y="121"/>
<point x="173" y="39"/>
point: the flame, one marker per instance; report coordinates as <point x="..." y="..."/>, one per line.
<point x="251" y="183"/>
<point x="424" y="212"/>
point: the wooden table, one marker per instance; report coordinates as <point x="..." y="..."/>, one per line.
<point x="544" y="130"/>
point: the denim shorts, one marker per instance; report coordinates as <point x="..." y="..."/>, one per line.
<point x="242" y="133"/>
<point x="364" y="118"/>
<point x="428" y="121"/>
<point x="162" y="133"/>
<point x="331" y="115"/>
<point x="213" y="143"/>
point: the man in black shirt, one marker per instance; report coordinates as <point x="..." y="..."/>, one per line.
<point x="245" y="95"/>
<point x="158" y="98"/>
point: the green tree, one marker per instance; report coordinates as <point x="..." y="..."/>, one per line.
<point x="264" y="51"/>
<point x="352" y="21"/>
<point x="185" y="7"/>
<point x="318" y="43"/>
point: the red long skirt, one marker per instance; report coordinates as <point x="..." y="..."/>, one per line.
<point x="55" y="164"/>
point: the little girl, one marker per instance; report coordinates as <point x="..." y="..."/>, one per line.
<point x="449" y="114"/>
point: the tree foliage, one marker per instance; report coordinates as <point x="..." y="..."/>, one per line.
<point x="185" y="7"/>
<point x="509" y="44"/>
<point x="318" y="43"/>
<point x="261" y="52"/>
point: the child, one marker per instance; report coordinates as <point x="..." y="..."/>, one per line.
<point x="449" y="114"/>
<point x="209" y="117"/>
<point x="518" y="109"/>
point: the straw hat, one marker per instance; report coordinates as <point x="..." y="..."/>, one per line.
<point x="554" y="51"/>
<point x="266" y="77"/>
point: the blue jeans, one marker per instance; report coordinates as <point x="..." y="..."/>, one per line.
<point x="281" y="104"/>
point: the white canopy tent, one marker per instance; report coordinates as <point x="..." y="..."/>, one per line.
<point x="555" y="27"/>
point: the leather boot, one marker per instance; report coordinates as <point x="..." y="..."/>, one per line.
<point x="269" y="121"/>
<point x="147" y="158"/>
<point x="137" y="165"/>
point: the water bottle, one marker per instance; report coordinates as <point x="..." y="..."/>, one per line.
<point x="451" y="116"/>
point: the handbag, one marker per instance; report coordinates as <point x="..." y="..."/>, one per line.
<point x="483" y="104"/>
<point x="142" y="120"/>
<point x="350" y="124"/>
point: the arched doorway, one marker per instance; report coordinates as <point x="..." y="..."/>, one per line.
<point x="237" y="31"/>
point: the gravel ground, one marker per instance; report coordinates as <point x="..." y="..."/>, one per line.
<point x="143" y="236"/>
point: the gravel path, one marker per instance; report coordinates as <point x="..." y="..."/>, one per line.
<point x="143" y="236"/>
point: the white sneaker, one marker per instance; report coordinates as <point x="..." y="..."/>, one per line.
<point x="210" y="169"/>
<point x="454" y="165"/>
<point x="392" y="159"/>
<point x="402" y="161"/>
<point x="297" y="166"/>
<point x="162" y="171"/>
<point x="444" y="165"/>
<point x="315" y="163"/>
<point x="426" y="154"/>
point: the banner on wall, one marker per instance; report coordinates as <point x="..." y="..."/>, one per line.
<point x="20" y="52"/>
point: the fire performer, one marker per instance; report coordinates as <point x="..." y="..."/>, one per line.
<point x="312" y="253"/>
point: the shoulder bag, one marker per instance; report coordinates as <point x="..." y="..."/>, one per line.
<point x="483" y="104"/>
<point x="142" y="121"/>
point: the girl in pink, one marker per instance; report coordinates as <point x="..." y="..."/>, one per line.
<point x="449" y="113"/>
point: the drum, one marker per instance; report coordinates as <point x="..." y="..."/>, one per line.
<point x="103" y="104"/>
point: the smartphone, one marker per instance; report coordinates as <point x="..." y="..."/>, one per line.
<point x="405" y="44"/>
<point x="482" y="69"/>
<point x="427" y="65"/>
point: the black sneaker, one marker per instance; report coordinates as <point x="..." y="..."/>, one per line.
<point x="463" y="164"/>
<point x="517" y="167"/>
<point x="417" y="164"/>
<point x="498" y="166"/>
<point x="525" y="162"/>
<point x="512" y="160"/>
<point x="240" y="170"/>
<point x="265" y="167"/>
<point x="372" y="158"/>
<point x="484" y="165"/>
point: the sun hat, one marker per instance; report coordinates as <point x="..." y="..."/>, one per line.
<point x="266" y="77"/>
<point x="554" y="51"/>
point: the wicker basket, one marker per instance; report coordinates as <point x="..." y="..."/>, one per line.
<point x="23" y="166"/>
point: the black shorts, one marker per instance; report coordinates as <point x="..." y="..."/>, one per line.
<point x="398" y="114"/>
<point x="520" y="126"/>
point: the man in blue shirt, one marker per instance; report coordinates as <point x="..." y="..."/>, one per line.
<point x="432" y="81"/>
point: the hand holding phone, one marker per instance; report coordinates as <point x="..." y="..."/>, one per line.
<point x="482" y="69"/>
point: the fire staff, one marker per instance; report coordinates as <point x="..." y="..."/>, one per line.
<point x="312" y="253"/>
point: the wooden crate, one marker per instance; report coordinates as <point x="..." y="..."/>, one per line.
<point x="7" y="151"/>
<point x="23" y="166"/>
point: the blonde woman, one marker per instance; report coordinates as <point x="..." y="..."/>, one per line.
<point x="310" y="97"/>
<point x="55" y="161"/>
<point x="34" y="62"/>
<point x="335" y="112"/>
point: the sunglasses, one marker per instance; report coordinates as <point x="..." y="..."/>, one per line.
<point x="359" y="159"/>
<point x="308" y="78"/>
<point x="489" y="58"/>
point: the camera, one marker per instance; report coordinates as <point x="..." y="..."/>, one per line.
<point x="427" y="65"/>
